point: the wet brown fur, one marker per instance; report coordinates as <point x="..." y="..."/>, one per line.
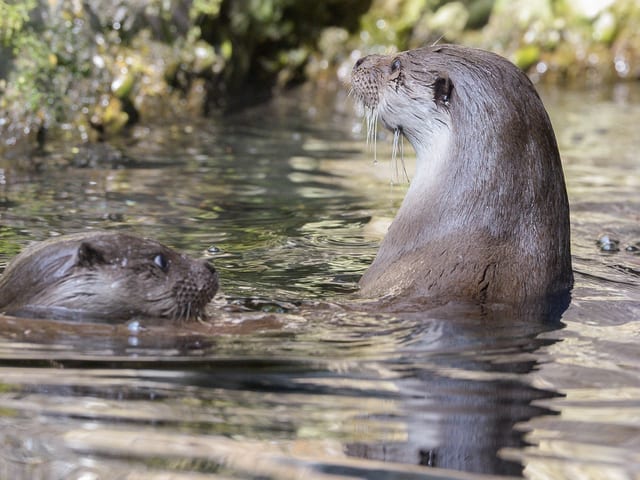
<point x="106" y="275"/>
<point x="486" y="217"/>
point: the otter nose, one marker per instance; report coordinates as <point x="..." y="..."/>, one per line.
<point x="209" y="267"/>
<point x="206" y="277"/>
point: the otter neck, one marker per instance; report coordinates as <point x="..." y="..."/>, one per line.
<point x="417" y="217"/>
<point x="449" y="197"/>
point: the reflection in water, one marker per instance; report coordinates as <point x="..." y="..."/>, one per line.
<point x="442" y="389"/>
<point x="292" y="378"/>
<point x="463" y="393"/>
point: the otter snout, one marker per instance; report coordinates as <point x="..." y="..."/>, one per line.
<point x="367" y="78"/>
<point x="196" y="290"/>
<point x="208" y="280"/>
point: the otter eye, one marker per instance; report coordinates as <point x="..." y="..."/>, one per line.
<point x="161" y="262"/>
<point x="395" y="65"/>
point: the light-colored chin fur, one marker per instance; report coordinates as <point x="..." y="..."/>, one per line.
<point x="429" y="161"/>
<point x="428" y="129"/>
<point x="430" y="140"/>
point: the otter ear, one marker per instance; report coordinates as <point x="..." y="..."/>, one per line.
<point x="442" y="89"/>
<point x="89" y="255"/>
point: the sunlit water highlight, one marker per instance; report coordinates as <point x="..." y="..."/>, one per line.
<point x="291" y="378"/>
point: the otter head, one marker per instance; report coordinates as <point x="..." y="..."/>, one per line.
<point x="410" y="100"/>
<point x="107" y="275"/>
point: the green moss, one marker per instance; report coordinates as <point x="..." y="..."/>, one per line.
<point x="209" y="8"/>
<point x="526" y="56"/>
<point x="12" y="19"/>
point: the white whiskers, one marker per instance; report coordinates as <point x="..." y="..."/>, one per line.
<point x="398" y="146"/>
<point x="371" y="116"/>
<point x="371" y="119"/>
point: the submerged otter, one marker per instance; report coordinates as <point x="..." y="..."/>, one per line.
<point x="105" y="275"/>
<point x="486" y="217"/>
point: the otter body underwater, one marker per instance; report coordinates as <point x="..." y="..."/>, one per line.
<point x="106" y="276"/>
<point x="486" y="217"/>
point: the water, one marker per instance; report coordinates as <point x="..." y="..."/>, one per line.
<point x="291" y="379"/>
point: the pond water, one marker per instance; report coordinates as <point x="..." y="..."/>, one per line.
<point x="290" y="378"/>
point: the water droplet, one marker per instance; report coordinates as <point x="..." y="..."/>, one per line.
<point x="134" y="326"/>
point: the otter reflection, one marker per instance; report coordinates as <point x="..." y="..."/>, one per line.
<point x="463" y="390"/>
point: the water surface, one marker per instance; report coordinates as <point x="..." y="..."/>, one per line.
<point x="290" y="378"/>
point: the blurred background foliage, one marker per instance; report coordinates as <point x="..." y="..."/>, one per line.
<point x="84" y="70"/>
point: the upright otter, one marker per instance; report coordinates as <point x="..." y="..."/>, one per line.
<point x="106" y="275"/>
<point x="486" y="217"/>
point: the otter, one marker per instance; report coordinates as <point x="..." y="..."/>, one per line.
<point x="106" y="275"/>
<point x="486" y="216"/>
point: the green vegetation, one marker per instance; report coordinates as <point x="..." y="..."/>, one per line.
<point x="83" y="71"/>
<point x="12" y="18"/>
